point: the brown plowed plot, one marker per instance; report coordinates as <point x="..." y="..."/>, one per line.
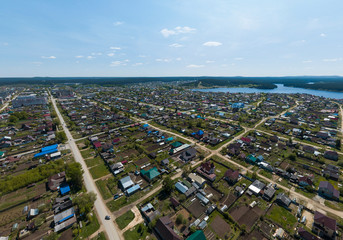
<point x="216" y="195"/>
<point x="245" y="215"/>
<point x="11" y="214"/>
<point x="220" y="227"/>
<point x="265" y="228"/>
<point x="254" y="235"/>
<point x="153" y="147"/>
<point x="142" y="161"/>
<point x="284" y="165"/>
<point x="196" y="208"/>
<point x="229" y="200"/>
<point x="126" y="153"/>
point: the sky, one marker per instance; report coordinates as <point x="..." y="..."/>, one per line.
<point x="81" y="38"/>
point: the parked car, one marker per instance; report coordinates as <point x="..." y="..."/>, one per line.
<point x="107" y="217"/>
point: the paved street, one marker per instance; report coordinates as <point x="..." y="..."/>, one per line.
<point x="112" y="232"/>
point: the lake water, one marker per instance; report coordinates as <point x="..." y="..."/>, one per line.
<point x="280" y="89"/>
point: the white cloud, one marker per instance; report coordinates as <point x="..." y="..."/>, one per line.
<point x="178" y="59"/>
<point x="96" y="54"/>
<point x="239" y="58"/>
<point x="5" y="43"/>
<point x="79" y="56"/>
<point x="142" y="56"/>
<point x="119" y="63"/>
<point x="212" y="44"/>
<point x="118" y="23"/>
<point x="307" y="61"/>
<point x="115" y="48"/>
<point x="48" y="57"/>
<point x="332" y="59"/>
<point x="90" y="57"/>
<point x="176" y="31"/>
<point x="209" y="61"/>
<point x="163" y="60"/>
<point x="323" y="35"/>
<point x="175" y="45"/>
<point x="195" y="66"/>
<point x="137" y="64"/>
<point x="110" y="54"/>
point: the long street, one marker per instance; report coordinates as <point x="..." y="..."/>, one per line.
<point x="112" y="232"/>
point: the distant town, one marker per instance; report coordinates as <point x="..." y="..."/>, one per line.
<point x="160" y="160"/>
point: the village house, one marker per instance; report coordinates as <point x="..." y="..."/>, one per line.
<point x="328" y="191"/>
<point x="164" y="228"/>
<point x="324" y="226"/>
<point x="231" y="176"/>
<point x="207" y="170"/>
<point x="56" y="180"/>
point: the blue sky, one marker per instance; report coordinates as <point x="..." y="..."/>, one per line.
<point x="171" y="38"/>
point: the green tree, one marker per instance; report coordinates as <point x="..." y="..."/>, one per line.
<point x="338" y="144"/>
<point x="13" y="119"/>
<point x="85" y="202"/>
<point x="292" y="157"/>
<point x="179" y="219"/>
<point x="74" y="173"/>
<point x="167" y="185"/>
<point x="61" y="137"/>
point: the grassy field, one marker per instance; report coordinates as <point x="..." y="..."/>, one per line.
<point x="99" y="171"/>
<point x="125" y="219"/>
<point x="89" y="229"/>
<point x="88" y="153"/>
<point x="91" y="162"/>
<point x="104" y="191"/>
<point x="101" y="236"/>
<point x="283" y="217"/>
<point x="140" y="232"/>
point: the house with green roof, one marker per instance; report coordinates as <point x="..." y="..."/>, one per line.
<point x="176" y="144"/>
<point x="251" y="159"/>
<point x="198" y="235"/>
<point x="151" y="174"/>
<point x="2" y="154"/>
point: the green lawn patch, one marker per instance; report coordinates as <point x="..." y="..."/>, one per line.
<point x="103" y="189"/>
<point x="125" y="219"/>
<point x="101" y="236"/>
<point x="140" y="232"/>
<point x="91" y="162"/>
<point x="99" y="171"/>
<point x="283" y="217"/>
<point x="88" y="153"/>
<point x="89" y="228"/>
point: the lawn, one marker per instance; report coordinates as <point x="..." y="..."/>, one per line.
<point x="99" y="171"/>
<point x="88" y="153"/>
<point x="140" y="232"/>
<point x="125" y="219"/>
<point x="101" y="236"/>
<point x="103" y="189"/>
<point x="89" y="229"/>
<point x="283" y="217"/>
<point x="93" y="161"/>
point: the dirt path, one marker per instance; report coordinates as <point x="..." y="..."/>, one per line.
<point x="138" y="219"/>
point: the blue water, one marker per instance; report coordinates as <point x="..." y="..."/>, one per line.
<point x="280" y="89"/>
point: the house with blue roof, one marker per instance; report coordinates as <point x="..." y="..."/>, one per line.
<point x="133" y="189"/>
<point x="181" y="187"/>
<point x="64" y="188"/>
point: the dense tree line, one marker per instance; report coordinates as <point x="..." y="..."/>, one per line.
<point x="16" y="116"/>
<point x="265" y="82"/>
<point x="12" y="183"/>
